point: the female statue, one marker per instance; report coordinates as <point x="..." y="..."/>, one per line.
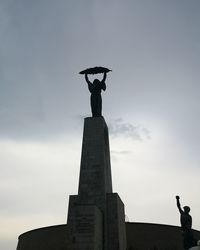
<point x="95" y="90"/>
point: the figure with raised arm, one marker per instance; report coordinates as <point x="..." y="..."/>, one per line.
<point x="95" y="90"/>
<point x="186" y="224"/>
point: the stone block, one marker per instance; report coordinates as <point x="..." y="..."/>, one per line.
<point x="115" y="219"/>
<point x="86" y="223"/>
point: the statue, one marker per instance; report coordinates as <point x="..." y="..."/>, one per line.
<point x="95" y="89"/>
<point x="186" y="224"/>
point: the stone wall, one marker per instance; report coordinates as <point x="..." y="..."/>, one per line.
<point x="47" y="238"/>
<point x="140" y="236"/>
<point x="147" y="236"/>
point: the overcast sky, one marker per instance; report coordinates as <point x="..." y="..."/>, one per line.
<point x="151" y="106"/>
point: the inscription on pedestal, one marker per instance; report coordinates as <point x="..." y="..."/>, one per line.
<point x="86" y="224"/>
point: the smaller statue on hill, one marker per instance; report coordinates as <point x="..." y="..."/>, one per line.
<point x="186" y="224"/>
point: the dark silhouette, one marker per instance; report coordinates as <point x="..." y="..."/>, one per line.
<point x="95" y="90"/>
<point x="95" y="70"/>
<point x="186" y="224"/>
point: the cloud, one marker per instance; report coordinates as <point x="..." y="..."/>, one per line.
<point x="120" y="128"/>
<point x="122" y="152"/>
<point x="154" y="84"/>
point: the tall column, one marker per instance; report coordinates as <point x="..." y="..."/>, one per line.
<point x="95" y="171"/>
<point x="96" y="212"/>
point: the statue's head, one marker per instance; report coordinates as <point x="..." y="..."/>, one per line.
<point x="96" y="81"/>
<point x="186" y="209"/>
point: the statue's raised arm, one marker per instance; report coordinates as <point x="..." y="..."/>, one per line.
<point x="178" y="204"/>
<point x="87" y="79"/>
<point x="103" y="84"/>
<point x="90" y="85"/>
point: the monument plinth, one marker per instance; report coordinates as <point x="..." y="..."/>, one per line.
<point x="96" y="215"/>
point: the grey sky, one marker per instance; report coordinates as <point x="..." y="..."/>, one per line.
<point x="151" y="105"/>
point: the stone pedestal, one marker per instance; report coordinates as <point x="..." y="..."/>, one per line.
<point x="86" y="225"/>
<point x="96" y="215"/>
<point x="115" y="222"/>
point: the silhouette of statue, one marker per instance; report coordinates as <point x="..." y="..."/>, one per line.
<point x="186" y="224"/>
<point x="95" y="90"/>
